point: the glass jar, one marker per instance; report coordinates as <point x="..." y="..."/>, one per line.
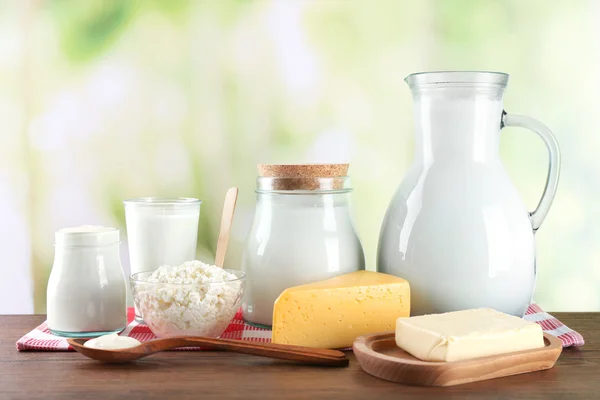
<point x="302" y="233"/>
<point x="86" y="294"/>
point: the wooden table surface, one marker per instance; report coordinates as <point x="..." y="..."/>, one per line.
<point x="203" y="375"/>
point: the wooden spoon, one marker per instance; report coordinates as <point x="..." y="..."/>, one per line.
<point x="307" y="355"/>
<point x="226" y="220"/>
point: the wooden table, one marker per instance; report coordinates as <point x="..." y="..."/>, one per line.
<point x="203" y="375"/>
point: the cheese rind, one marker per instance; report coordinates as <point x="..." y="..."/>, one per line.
<point x="332" y="313"/>
<point x="463" y="335"/>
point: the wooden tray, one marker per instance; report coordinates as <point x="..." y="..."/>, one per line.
<point x="379" y="356"/>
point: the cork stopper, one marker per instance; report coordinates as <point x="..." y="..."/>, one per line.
<point x="305" y="176"/>
<point x="303" y="170"/>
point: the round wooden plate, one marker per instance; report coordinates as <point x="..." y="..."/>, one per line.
<point x="379" y="356"/>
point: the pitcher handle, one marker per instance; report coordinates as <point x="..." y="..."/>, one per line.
<point x="538" y="215"/>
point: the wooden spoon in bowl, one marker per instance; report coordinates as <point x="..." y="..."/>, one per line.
<point x="226" y="220"/>
<point x="306" y="355"/>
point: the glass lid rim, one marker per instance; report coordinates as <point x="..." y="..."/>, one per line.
<point x="457" y="78"/>
<point x="70" y="231"/>
<point x="296" y="192"/>
<point x="295" y="185"/>
<point x="151" y="201"/>
<point x="303" y="177"/>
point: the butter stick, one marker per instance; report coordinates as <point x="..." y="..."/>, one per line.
<point x="463" y="335"/>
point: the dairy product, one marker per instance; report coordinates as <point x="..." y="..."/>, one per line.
<point x="457" y="221"/>
<point x="86" y="293"/>
<point x="112" y="342"/>
<point x="161" y="231"/>
<point x="296" y="239"/>
<point x="332" y="313"/>
<point x="194" y="299"/>
<point x="462" y="335"/>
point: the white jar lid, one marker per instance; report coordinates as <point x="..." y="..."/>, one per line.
<point x="86" y="235"/>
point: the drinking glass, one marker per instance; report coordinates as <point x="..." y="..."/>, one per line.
<point x="161" y="231"/>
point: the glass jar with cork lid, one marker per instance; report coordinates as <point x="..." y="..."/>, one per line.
<point x="302" y="232"/>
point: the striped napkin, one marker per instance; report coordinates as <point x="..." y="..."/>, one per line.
<point x="40" y="338"/>
<point x="551" y="325"/>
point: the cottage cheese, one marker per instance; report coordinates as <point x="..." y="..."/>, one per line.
<point x="194" y="299"/>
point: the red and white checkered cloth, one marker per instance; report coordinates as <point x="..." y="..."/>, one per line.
<point x="551" y="325"/>
<point x="40" y="339"/>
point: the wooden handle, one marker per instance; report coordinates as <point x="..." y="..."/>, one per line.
<point x="333" y="358"/>
<point x="284" y="352"/>
<point x="226" y="220"/>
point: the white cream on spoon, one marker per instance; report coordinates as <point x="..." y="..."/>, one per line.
<point x="112" y="342"/>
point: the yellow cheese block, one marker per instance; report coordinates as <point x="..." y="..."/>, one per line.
<point x="332" y="313"/>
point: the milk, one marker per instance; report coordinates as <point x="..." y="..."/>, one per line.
<point x="86" y="293"/>
<point x="296" y="239"/>
<point x="161" y="231"/>
<point x="457" y="228"/>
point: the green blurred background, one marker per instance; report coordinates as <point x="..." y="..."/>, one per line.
<point x="103" y="100"/>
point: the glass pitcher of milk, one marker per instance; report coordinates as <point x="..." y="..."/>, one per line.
<point x="457" y="228"/>
<point x="302" y="232"/>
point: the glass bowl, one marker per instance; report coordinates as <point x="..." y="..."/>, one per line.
<point x="187" y="309"/>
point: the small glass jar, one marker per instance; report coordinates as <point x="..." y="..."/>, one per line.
<point x="86" y="294"/>
<point x="302" y="233"/>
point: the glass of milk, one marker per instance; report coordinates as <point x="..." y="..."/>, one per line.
<point x="161" y="231"/>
